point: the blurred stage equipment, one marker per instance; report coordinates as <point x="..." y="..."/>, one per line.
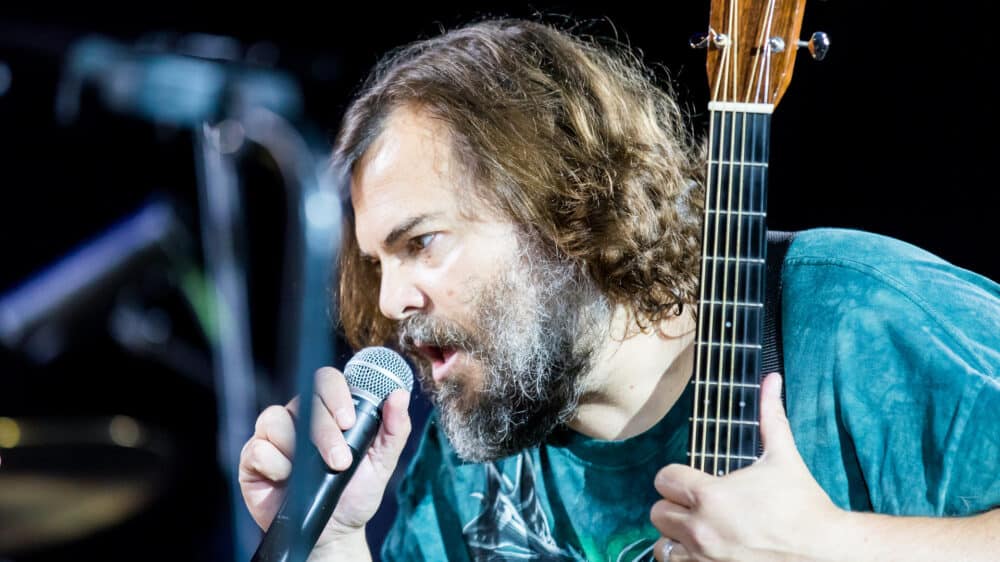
<point x="37" y="316"/>
<point x="200" y="83"/>
<point x="65" y="479"/>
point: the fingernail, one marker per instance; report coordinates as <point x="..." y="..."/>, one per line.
<point x="341" y="456"/>
<point x="345" y="416"/>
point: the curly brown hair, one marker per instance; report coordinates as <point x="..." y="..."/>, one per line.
<point x="573" y="139"/>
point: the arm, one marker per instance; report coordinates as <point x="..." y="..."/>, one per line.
<point x="775" y="510"/>
<point x="870" y="536"/>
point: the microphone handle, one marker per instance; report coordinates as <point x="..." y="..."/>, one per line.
<point x="300" y="520"/>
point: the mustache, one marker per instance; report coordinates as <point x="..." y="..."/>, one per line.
<point x="424" y="329"/>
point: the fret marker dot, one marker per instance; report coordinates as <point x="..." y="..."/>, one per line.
<point x="721" y="473"/>
<point x="743" y="404"/>
<point x="729" y="324"/>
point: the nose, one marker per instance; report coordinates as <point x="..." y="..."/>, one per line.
<point x="399" y="297"/>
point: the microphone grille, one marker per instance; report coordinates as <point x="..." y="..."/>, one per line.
<point x="379" y="371"/>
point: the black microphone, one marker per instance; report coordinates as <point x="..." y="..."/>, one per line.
<point x="372" y="375"/>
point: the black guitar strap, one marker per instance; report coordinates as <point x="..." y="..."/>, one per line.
<point x="772" y="359"/>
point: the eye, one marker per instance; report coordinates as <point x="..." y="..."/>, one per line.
<point x="421" y="242"/>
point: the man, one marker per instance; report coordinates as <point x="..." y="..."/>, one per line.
<point x="529" y="206"/>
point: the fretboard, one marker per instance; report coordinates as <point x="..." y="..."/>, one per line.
<point x="725" y="433"/>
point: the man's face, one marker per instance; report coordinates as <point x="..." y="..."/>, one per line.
<point x="501" y="332"/>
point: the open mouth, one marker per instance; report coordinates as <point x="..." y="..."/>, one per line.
<point x="441" y="359"/>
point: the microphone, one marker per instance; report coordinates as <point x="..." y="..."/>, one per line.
<point x="372" y="375"/>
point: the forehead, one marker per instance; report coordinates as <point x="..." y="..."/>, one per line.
<point x="409" y="170"/>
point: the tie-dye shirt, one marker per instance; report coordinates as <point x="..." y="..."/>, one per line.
<point x="893" y="390"/>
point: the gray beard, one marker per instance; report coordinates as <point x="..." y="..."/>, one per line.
<point x="537" y="328"/>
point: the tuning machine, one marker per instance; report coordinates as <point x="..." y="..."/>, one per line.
<point x="818" y="44"/>
<point x="702" y="40"/>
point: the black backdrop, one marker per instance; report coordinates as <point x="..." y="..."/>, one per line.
<point x="893" y="133"/>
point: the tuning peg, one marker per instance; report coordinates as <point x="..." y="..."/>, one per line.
<point x="699" y="40"/>
<point x="702" y="40"/>
<point x="818" y="45"/>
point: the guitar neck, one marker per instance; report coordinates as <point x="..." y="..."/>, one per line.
<point x="725" y="430"/>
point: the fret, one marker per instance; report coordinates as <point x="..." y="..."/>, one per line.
<point x="735" y="259"/>
<point x="736" y="213"/>
<point x="739" y="400"/>
<point x="739" y="136"/>
<point x="737" y="163"/>
<point x="745" y="234"/>
<point x="726" y="384"/>
<point x="741" y="442"/>
<point x="733" y="280"/>
<point x="718" y="363"/>
<point x="724" y="455"/>
<point x="736" y="188"/>
<point x="741" y="107"/>
<point x="736" y="345"/>
<point x="726" y="324"/>
<point x="722" y="463"/>
<point x="739" y="304"/>
<point x="720" y="422"/>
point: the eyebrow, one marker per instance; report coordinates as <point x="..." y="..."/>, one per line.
<point x="402" y="229"/>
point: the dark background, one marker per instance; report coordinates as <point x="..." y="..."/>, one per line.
<point x="893" y="133"/>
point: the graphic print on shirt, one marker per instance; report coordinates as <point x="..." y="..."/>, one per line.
<point x="513" y="526"/>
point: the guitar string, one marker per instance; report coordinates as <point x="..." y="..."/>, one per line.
<point x="734" y="41"/>
<point x="736" y="288"/>
<point x="698" y="450"/>
<point x="760" y="72"/>
<point x="763" y="204"/>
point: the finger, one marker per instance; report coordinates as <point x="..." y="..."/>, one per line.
<point x="775" y="432"/>
<point x="328" y="437"/>
<point x="260" y="457"/>
<point x="392" y="435"/>
<point x="677" y="483"/>
<point x="677" y="552"/>
<point x="326" y="434"/>
<point x="669" y="518"/>
<point x="293" y="407"/>
<point x="331" y="386"/>
<point x="276" y="425"/>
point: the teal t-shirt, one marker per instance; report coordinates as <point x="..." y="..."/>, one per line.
<point x="893" y="391"/>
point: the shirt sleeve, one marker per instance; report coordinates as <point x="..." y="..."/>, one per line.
<point x="896" y="390"/>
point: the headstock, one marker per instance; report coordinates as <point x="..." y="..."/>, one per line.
<point x="751" y="48"/>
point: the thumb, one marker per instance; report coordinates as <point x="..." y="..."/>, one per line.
<point x="775" y="432"/>
<point x="392" y="435"/>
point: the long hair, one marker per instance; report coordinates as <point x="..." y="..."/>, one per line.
<point x="573" y="140"/>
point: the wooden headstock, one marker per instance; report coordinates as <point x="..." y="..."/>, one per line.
<point x="752" y="45"/>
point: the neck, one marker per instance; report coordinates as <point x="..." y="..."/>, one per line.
<point x="636" y="378"/>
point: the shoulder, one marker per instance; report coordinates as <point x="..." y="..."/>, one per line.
<point x="893" y="360"/>
<point x="857" y="249"/>
<point x="837" y="279"/>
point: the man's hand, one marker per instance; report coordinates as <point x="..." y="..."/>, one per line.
<point x="773" y="510"/>
<point x="266" y="460"/>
